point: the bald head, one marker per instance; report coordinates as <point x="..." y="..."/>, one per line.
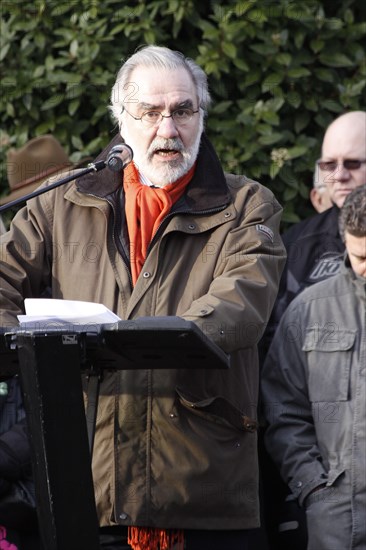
<point x="344" y="139"/>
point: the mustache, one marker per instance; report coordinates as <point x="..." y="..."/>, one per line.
<point x="170" y="144"/>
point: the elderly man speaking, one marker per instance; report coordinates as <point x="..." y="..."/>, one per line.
<point x="175" y="458"/>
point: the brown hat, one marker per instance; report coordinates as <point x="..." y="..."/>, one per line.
<point x="32" y="164"/>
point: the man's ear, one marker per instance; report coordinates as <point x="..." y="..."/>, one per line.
<point x="316" y="199"/>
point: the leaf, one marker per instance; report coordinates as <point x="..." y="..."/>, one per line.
<point x="336" y="60"/>
<point x="271" y="117"/>
<point x="332" y="105"/>
<point x="271" y="81"/>
<point x="297" y="151"/>
<point x="274" y="169"/>
<point x="10" y="109"/>
<point x="298" y="72"/>
<point x="289" y="216"/>
<point x="27" y="100"/>
<point x="294" y="99"/>
<point x="4" y="51"/>
<point x="301" y="121"/>
<point x="317" y="45"/>
<point x="52" y="102"/>
<point x="289" y="194"/>
<point x="275" y="137"/>
<point x="333" y="23"/>
<point x="43" y="128"/>
<point x="353" y="90"/>
<point x="284" y="59"/>
<point x="222" y="107"/>
<point x="263" y="49"/>
<point x="77" y="143"/>
<point x="325" y="75"/>
<point x="311" y="104"/>
<point x="38" y="72"/>
<point x="73" y="106"/>
<point x="229" y="49"/>
<point x="241" y="64"/>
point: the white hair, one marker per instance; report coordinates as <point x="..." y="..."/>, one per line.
<point x="160" y="58"/>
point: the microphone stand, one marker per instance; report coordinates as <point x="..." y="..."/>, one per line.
<point x="92" y="167"/>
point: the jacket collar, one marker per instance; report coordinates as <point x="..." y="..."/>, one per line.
<point x="207" y="189"/>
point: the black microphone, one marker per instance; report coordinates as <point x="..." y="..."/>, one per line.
<point x="119" y="156"/>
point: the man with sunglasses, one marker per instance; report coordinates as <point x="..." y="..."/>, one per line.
<point x="314" y="246"/>
<point x="175" y="451"/>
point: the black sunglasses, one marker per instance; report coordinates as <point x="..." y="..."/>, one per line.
<point x="331" y="165"/>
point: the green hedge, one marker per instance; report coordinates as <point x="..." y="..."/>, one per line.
<point x="279" y="72"/>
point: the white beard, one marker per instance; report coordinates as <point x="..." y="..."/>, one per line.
<point x="169" y="171"/>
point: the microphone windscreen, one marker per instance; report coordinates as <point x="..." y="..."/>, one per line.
<point x="119" y="156"/>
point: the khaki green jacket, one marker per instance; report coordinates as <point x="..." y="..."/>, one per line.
<point x="162" y="457"/>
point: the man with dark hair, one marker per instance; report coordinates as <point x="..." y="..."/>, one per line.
<point x="313" y="391"/>
<point x="175" y="452"/>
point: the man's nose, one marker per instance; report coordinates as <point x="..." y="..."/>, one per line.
<point x="341" y="173"/>
<point x="167" y="129"/>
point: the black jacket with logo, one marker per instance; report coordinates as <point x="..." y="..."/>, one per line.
<point x="314" y="253"/>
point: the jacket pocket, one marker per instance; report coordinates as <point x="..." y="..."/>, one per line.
<point x="217" y="409"/>
<point x="329" y="352"/>
<point x="328" y="493"/>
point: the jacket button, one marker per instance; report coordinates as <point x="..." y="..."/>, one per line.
<point x="123" y="516"/>
<point x="192" y="226"/>
<point x="299" y="484"/>
<point x="146" y="275"/>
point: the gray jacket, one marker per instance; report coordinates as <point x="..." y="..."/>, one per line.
<point x="314" y="394"/>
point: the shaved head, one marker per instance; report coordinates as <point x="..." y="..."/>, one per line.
<point x="344" y="139"/>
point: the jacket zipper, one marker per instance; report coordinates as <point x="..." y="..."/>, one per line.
<point x="119" y="248"/>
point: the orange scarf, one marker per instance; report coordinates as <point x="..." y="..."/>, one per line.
<point x="146" y="538"/>
<point x="146" y="207"/>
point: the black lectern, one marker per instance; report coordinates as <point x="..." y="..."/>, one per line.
<point x="50" y="361"/>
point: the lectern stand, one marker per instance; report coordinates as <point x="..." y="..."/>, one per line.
<point x="50" y="362"/>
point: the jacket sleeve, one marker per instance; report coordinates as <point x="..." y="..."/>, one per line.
<point x="236" y="309"/>
<point x="25" y="261"/>
<point x="290" y="436"/>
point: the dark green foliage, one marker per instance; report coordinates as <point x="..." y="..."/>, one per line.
<point x="279" y="72"/>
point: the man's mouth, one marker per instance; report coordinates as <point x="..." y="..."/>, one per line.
<point x="167" y="153"/>
<point x="343" y="190"/>
<point x="166" y="149"/>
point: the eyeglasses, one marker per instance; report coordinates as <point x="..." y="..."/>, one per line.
<point x="331" y="165"/>
<point x="154" y="118"/>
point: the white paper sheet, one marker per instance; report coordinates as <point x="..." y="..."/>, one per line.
<point x="74" y="312"/>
